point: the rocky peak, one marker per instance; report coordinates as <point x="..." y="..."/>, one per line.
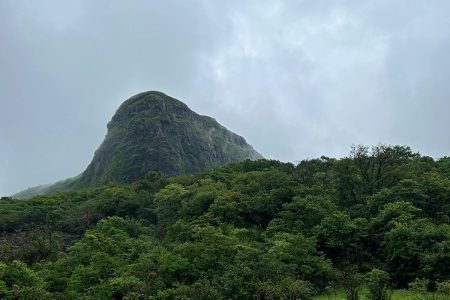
<point x="149" y="103"/>
<point x="152" y="131"/>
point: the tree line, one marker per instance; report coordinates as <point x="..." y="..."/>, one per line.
<point x="251" y="230"/>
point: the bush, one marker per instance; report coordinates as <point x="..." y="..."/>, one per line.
<point x="377" y="283"/>
<point x="419" y="286"/>
<point x="351" y="281"/>
<point x="443" y="289"/>
<point x="287" y="288"/>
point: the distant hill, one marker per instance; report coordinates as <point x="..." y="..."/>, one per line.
<point x="152" y="131"/>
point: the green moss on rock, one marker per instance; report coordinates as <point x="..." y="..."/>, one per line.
<point x="155" y="132"/>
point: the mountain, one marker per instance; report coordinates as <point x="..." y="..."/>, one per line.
<point x="152" y="131"/>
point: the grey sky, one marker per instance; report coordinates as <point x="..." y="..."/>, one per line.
<point x="297" y="79"/>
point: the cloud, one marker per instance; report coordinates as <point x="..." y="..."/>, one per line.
<point x="298" y="79"/>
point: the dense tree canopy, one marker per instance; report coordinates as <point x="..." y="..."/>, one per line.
<point x="256" y="229"/>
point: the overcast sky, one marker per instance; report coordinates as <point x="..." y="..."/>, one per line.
<point x="297" y="79"/>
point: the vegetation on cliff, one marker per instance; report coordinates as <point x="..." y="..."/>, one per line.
<point x="154" y="132"/>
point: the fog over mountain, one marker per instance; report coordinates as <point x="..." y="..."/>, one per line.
<point x="297" y="79"/>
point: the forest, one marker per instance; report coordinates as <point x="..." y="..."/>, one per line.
<point x="365" y="225"/>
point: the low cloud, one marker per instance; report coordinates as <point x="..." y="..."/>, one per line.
<point x="298" y="79"/>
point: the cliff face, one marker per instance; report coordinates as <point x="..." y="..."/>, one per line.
<point x="154" y="132"/>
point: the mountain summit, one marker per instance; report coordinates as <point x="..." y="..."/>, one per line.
<point x="152" y="131"/>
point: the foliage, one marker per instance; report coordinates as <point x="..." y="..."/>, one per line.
<point x="351" y="282"/>
<point x="256" y="229"/>
<point x="443" y="289"/>
<point x="419" y="286"/>
<point x="377" y="282"/>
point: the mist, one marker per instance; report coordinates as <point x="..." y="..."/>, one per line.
<point x="297" y="79"/>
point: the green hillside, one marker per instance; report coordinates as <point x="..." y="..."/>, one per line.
<point x="373" y="221"/>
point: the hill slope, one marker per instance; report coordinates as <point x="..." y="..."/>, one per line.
<point x="248" y="230"/>
<point x="154" y="132"/>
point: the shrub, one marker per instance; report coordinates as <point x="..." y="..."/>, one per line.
<point x="443" y="289"/>
<point x="419" y="286"/>
<point x="351" y="282"/>
<point x="377" y="283"/>
<point x="287" y="288"/>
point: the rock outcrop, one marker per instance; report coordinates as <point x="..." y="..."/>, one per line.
<point x="154" y="132"/>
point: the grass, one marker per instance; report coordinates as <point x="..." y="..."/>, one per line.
<point x="396" y="295"/>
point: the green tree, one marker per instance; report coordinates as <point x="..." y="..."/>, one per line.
<point x="17" y="281"/>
